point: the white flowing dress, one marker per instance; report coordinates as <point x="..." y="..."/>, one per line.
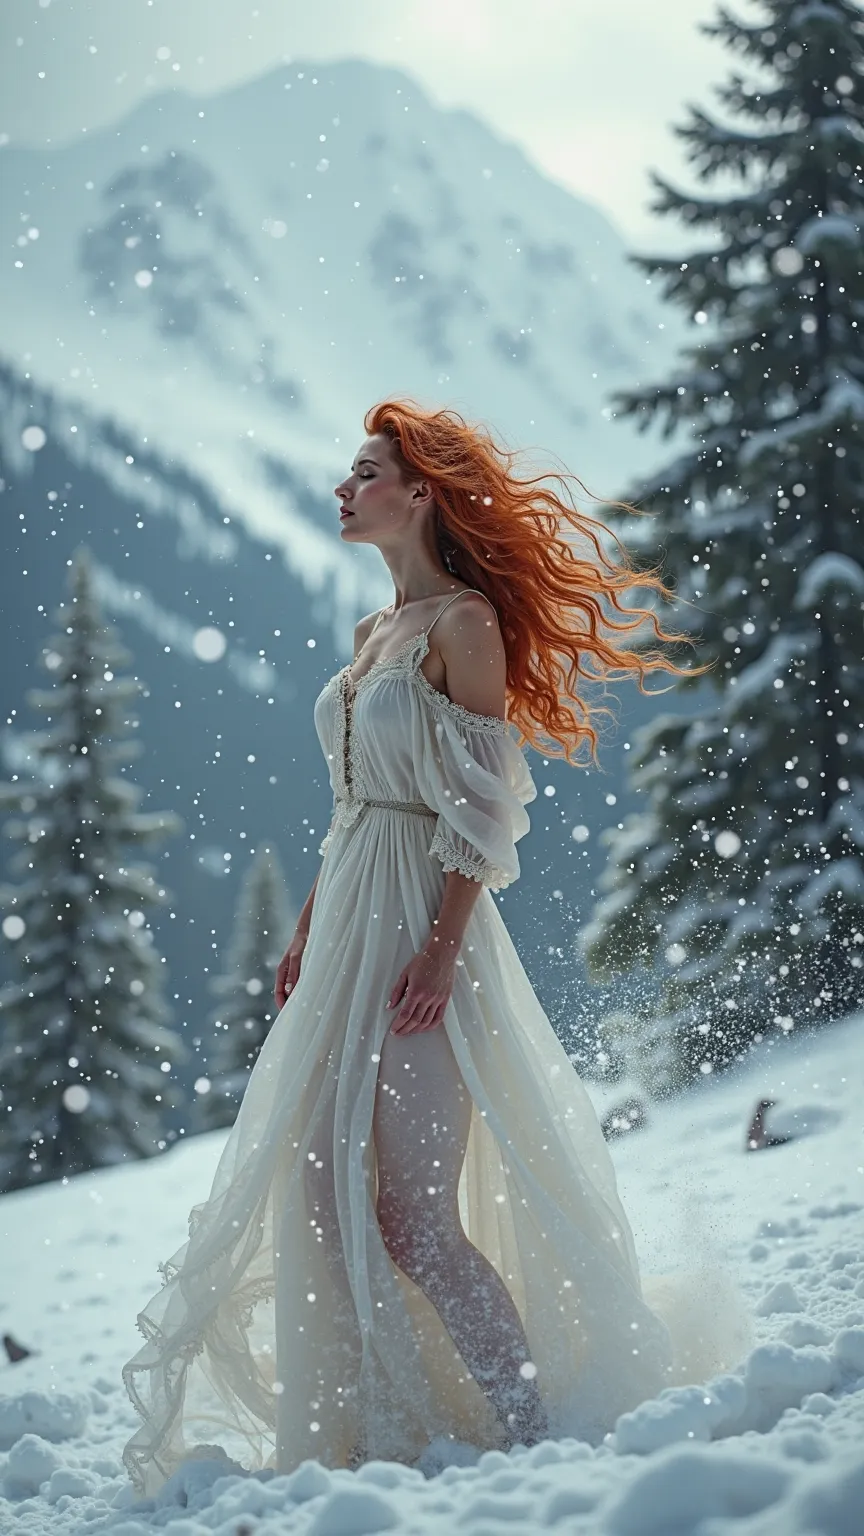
<point x="248" y="1349"/>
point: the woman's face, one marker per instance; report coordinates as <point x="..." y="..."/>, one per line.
<point x="376" y="503"/>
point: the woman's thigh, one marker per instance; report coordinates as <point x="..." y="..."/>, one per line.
<point x="421" y="1124"/>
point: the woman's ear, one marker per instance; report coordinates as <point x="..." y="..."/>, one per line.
<point x="422" y="493"/>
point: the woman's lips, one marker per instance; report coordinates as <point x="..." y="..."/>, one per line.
<point x="344" y="515"/>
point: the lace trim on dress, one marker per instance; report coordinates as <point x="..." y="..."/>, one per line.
<point x="385" y="663"/>
<point x="348" y="803"/>
<point x="476" y="868"/>
<point x="339" y="736"/>
<point x="173" y="1356"/>
<point x="492" y="724"/>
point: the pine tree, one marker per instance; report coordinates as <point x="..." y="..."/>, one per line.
<point x="84" y="1045"/>
<point x="744" y="873"/>
<point x="245" y="989"/>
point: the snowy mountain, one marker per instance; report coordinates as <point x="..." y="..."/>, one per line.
<point x="199" y="305"/>
<point x="239" y="278"/>
<point x="774" y="1446"/>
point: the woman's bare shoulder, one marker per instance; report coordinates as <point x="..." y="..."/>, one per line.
<point x="470" y="645"/>
<point x="472" y="619"/>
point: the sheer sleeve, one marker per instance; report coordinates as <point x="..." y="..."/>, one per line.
<point x="470" y="770"/>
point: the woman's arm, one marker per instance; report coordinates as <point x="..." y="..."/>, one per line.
<point x="305" y="917"/>
<point x="458" y="902"/>
<point x="288" y="969"/>
<point x="425" y="985"/>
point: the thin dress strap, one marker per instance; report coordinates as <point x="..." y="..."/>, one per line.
<point x="453" y="599"/>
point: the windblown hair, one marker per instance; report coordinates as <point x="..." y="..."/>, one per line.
<point x="506" y="534"/>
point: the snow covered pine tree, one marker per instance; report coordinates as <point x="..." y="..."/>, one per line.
<point x="745" y="872"/>
<point x="247" y="1008"/>
<point x="85" y="1054"/>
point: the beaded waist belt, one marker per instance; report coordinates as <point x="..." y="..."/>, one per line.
<point x="412" y="807"/>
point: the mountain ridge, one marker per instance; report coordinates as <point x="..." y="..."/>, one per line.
<point x="463" y="331"/>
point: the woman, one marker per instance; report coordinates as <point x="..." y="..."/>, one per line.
<point x="414" y="1228"/>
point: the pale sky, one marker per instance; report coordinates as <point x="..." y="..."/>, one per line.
<point x="588" y="88"/>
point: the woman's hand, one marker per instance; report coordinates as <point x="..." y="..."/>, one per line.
<point x="424" y="987"/>
<point x="289" y="967"/>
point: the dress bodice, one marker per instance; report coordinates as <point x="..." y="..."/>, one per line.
<point x="391" y="736"/>
<point x="361" y="725"/>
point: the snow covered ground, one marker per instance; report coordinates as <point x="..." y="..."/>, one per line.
<point x="773" y="1448"/>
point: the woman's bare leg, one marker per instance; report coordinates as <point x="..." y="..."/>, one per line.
<point x="344" y="1346"/>
<point x="421" y="1124"/>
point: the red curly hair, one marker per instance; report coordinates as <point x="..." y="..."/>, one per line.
<point x="505" y="534"/>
